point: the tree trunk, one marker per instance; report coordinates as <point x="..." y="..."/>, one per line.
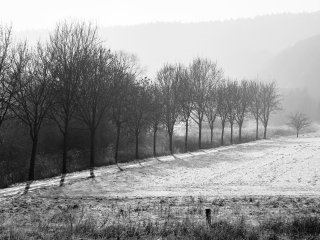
<point x="240" y="132"/>
<point x="170" y="142"/>
<point x="117" y="142"/>
<point x="137" y="146"/>
<point x="154" y="142"/>
<point x="222" y="134"/>
<point x="211" y="135"/>
<point x="231" y="134"/>
<point x="265" y="132"/>
<point x="33" y="158"/>
<point x="92" y="151"/>
<point x="186" y="137"/>
<point x="297" y="133"/>
<point x="200" y="128"/>
<point x="65" y="150"/>
<point x="257" y="128"/>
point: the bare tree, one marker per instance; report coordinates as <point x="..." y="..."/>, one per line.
<point x="156" y="113"/>
<point x="169" y="81"/>
<point x="211" y="111"/>
<point x="222" y="107"/>
<point x="244" y="98"/>
<point x="33" y="97"/>
<point x="231" y="103"/>
<point x="270" y="102"/>
<point x="7" y="87"/>
<point x="186" y="100"/>
<point x="67" y="47"/>
<point x="204" y="75"/>
<point x="256" y="104"/>
<point x="125" y="70"/>
<point x="299" y="121"/>
<point x="94" y="88"/>
<point x="139" y="109"/>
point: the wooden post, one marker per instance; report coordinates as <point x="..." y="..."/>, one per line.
<point x="208" y="216"/>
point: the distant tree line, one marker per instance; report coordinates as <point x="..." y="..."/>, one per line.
<point x="73" y="82"/>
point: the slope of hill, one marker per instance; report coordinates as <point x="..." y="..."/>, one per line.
<point x="298" y="66"/>
<point x="241" y="47"/>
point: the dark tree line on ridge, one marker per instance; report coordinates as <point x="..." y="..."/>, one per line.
<point x="73" y="76"/>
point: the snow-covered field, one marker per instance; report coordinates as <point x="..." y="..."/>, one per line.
<point x="263" y="180"/>
<point x="282" y="166"/>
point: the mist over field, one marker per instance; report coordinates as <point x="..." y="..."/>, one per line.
<point x="281" y="47"/>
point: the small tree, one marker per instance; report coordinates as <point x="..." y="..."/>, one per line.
<point x="299" y="121"/>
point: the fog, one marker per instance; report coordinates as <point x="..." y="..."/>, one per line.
<point x="279" y="47"/>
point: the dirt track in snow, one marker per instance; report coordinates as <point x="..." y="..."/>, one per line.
<point x="282" y="166"/>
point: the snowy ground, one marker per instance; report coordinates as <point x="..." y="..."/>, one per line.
<point x="281" y="166"/>
<point x="267" y="179"/>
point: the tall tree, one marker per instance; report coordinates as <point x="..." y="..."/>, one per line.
<point x="244" y="98"/>
<point x="186" y="100"/>
<point x="211" y="111"/>
<point x="222" y="107"/>
<point x="255" y="105"/>
<point x="231" y="103"/>
<point x="156" y="113"/>
<point x="67" y="46"/>
<point x="270" y="103"/>
<point x="203" y="74"/>
<point x="7" y="86"/>
<point x="125" y="70"/>
<point x="94" y="88"/>
<point x="139" y="110"/>
<point x="34" y="96"/>
<point x="169" y="80"/>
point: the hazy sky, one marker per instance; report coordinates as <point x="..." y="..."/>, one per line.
<point x="35" y="14"/>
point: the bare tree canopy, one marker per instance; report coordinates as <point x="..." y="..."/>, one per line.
<point x="156" y="112"/>
<point x="222" y="106"/>
<point x="270" y="103"/>
<point x="139" y="109"/>
<point x="169" y="79"/>
<point x="244" y="99"/>
<point x="67" y="45"/>
<point x="125" y="71"/>
<point x="186" y="100"/>
<point x="204" y="75"/>
<point x="7" y="87"/>
<point x="256" y="104"/>
<point x="211" y="110"/>
<point x="94" y="91"/>
<point x="299" y="121"/>
<point x="34" y="96"/>
<point x="231" y="104"/>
